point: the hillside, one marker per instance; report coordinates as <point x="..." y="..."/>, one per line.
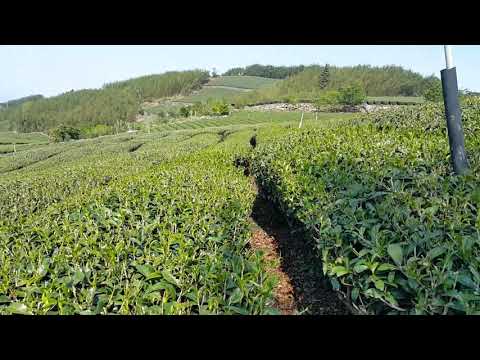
<point x="20" y="101"/>
<point x="392" y="81"/>
<point x="113" y="107"/>
<point x="116" y="106"/>
<point x="226" y="88"/>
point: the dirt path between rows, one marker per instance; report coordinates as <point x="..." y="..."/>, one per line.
<point x="301" y="289"/>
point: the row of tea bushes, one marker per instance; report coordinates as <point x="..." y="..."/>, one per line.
<point x="396" y="231"/>
<point x="171" y="239"/>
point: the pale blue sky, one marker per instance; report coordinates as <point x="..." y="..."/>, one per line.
<point x="50" y="70"/>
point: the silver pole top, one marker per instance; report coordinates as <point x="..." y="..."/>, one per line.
<point x="448" y="56"/>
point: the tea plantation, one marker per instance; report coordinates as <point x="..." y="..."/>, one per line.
<point x="396" y="231"/>
<point x="158" y="223"/>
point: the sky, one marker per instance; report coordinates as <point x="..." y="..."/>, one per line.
<point x="50" y="70"/>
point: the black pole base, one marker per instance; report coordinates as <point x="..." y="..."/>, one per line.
<point x="454" y="121"/>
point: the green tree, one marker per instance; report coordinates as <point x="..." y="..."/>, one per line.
<point x="433" y="91"/>
<point x="352" y="95"/>
<point x="64" y="133"/>
<point x="324" y="77"/>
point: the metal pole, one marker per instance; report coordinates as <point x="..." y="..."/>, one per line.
<point x="453" y="114"/>
<point x="448" y="56"/>
<point x="301" y="122"/>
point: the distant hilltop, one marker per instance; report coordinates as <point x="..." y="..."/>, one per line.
<point x="22" y="100"/>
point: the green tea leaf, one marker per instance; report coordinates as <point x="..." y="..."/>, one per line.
<point x="238" y="310"/>
<point x="145" y="270"/>
<point x="354" y="294"/>
<point x="436" y="252"/>
<point x="153" y="275"/>
<point x="236" y="296"/>
<point x="78" y="277"/>
<point x="162" y="285"/>
<point x="396" y="253"/>
<point x="467" y="281"/>
<point x="374" y="293"/>
<point x="340" y="271"/>
<point x="170" y="278"/>
<point x="359" y="268"/>
<point x="18" y="308"/>
<point x="379" y="284"/>
<point x="386" y="267"/>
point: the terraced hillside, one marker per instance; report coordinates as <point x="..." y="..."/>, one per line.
<point x="245" y="118"/>
<point x="11" y="141"/>
<point x="228" y="87"/>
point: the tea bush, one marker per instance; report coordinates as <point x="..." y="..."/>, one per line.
<point x="396" y="231"/>
<point x="167" y="237"/>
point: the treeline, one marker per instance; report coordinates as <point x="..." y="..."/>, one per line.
<point x="379" y="81"/>
<point x="267" y="71"/>
<point x="80" y="109"/>
<point x="167" y="84"/>
<point x="315" y="80"/>
<point x="110" y="109"/>
<point x="20" y="101"/>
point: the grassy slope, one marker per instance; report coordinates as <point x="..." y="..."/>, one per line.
<point x="242" y="82"/>
<point x="9" y="137"/>
<point x="22" y="141"/>
<point x="207" y="93"/>
<point x="229" y="87"/>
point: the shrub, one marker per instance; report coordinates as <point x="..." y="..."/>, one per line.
<point x="64" y="133"/>
<point x="220" y="108"/>
<point x="433" y="91"/>
<point x="327" y="98"/>
<point x="352" y="95"/>
<point x="185" y="111"/>
<point x="97" y="130"/>
<point x="199" y="109"/>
